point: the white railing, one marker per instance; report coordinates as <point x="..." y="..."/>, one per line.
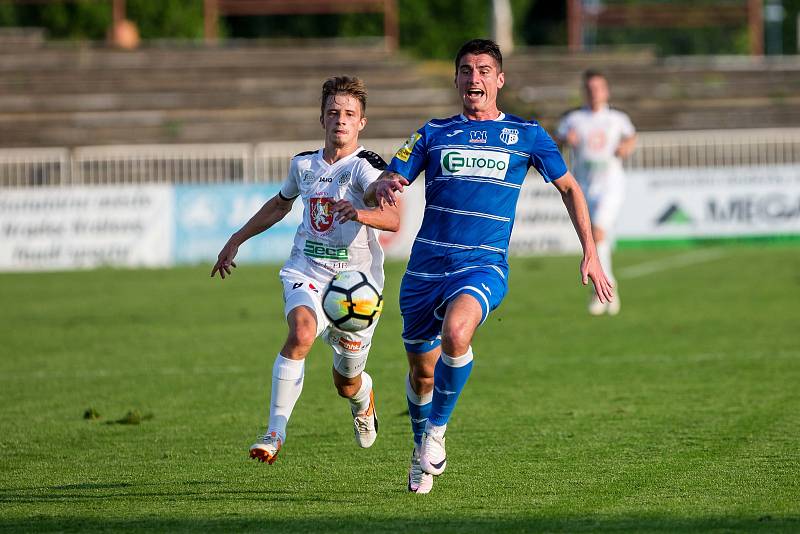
<point x="716" y="148"/>
<point x="269" y="162"/>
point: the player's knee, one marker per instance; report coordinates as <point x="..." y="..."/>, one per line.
<point x="346" y="386"/>
<point x="347" y="391"/>
<point x="456" y="337"/>
<point x="301" y="337"/>
<point x="421" y="379"/>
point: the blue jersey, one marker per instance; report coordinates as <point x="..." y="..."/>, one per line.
<point x="474" y="172"/>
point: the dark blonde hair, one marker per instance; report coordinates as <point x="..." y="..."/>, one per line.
<point x="346" y="85"/>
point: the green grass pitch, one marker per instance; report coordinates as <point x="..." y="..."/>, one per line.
<point x="682" y="414"/>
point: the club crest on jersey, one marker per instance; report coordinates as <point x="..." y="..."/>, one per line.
<point x="509" y="136"/>
<point x="477" y="136"/>
<point x="308" y="177"/>
<point x="344" y="178"/>
<point x="320" y="214"/>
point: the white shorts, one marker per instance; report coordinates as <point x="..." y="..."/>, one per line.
<point x="350" y="349"/>
<point x="604" y="200"/>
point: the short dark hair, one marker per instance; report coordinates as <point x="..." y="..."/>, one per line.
<point x="346" y="85"/>
<point x="588" y="74"/>
<point x="480" y="46"/>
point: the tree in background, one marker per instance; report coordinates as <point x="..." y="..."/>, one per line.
<point x="429" y="29"/>
<point x="90" y="19"/>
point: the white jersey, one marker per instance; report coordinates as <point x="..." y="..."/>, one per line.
<point x="322" y="246"/>
<point x="594" y="163"/>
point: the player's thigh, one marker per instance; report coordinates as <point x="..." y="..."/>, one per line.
<point x="463" y="316"/>
<point x="486" y="287"/>
<point x="419" y="299"/>
<point x="303" y="292"/>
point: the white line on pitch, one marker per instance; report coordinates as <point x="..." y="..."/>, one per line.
<point x="671" y="262"/>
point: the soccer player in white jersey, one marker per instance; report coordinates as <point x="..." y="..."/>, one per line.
<point x="338" y="233"/>
<point x="475" y="164"/>
<point x="600" y="137"/>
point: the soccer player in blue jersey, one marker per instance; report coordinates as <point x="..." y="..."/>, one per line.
<point x="475" y="164"/>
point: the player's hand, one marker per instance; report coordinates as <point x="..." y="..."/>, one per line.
<point x="572" y="138"/>
<point x="385" y="189"/>
<point x="344" y="211"/>
<point x="592" y="270"/>
<point x="225" y="260"/>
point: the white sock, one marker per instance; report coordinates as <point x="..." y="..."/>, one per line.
<point x="604" y="254"/>
<point x="287" y="383"/>
<point x="359" y="403"/>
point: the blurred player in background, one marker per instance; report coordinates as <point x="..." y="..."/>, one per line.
<point x="338" y="233"/>
<point x="475" y="164"/>
<point x="600" y="137"/>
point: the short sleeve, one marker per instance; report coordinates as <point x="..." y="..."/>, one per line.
<point x="546" y="157"/>
<point x="564" y="126"/>
<point x="367" y="172"/>
<point x="289" y="187"/>
<point x="412" y="157"/>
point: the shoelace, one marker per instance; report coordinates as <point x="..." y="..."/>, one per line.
<point x="363" y="424"/>
<point x="269" y="440"/>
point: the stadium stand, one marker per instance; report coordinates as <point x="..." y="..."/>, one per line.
<point x="59" y="96"/>
<point x="673" y="93"/>
<point x="67" y="96"/>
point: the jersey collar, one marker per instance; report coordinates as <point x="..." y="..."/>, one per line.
<point x="500" y="117"/>
<point x="321" y="156"/>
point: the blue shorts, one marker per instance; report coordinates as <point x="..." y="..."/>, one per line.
<point x="424" y="301"/>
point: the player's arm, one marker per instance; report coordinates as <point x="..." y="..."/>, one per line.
<point x="626" y="147"/>
<point x="385" y="218"/>
<point x="566" y="135"/>
<point x="575" y="203"/>
<point x="381" y="192"/>
<point x="270" y="213"/>
<point x="405" y="166"/>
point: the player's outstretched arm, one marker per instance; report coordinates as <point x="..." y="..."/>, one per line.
<point x="270" y="213"/>
<point x="591" y="269"/>
<point x="381" y="192"/>
<point x="387" y="218"/>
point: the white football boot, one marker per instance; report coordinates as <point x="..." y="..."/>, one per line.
<point x="418" y="480"/>
<point x="432" y="456"/>
<point x="267" y="449"/>
<point x="365" y="425"/>
<point x="596" y="307"/>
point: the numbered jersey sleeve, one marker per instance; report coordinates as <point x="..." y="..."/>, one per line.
<point x="412" y="157"/>
<point x="290" y="188"/>
<point x="546" y="157"/>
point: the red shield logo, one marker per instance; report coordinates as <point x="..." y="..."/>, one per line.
<point x="321" y="214"/>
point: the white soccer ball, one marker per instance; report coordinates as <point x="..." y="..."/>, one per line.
<point x="351" y="302"/>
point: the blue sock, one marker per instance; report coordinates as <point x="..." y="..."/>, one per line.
<point x="449" y="378"/>
<point x="419" y="408"/>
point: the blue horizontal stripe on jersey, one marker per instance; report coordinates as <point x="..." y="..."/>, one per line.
<point x="458" y="245"/>
<point x="469" y="213"/>
<point x="490" y="181"/>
